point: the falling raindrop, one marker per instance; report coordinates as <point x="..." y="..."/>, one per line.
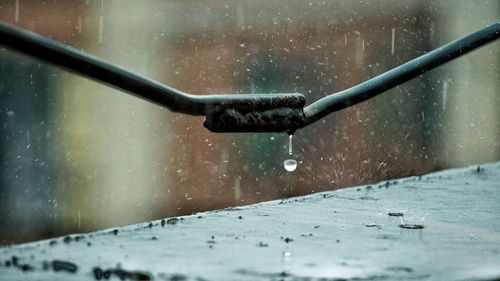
<point x="393" y="38"/>
<point x="79" y="219"/>
<point x="445" y="93"/>
<point x="16" y="12"/>
<point x="101" y="23"/>
<point x="79" y="25"/>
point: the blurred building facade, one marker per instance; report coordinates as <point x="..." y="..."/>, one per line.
<point x="115" y="159"/>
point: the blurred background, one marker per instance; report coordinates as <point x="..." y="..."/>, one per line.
<point x="77" y="156"/>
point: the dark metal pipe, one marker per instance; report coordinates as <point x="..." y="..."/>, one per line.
<point x="240" y="113"/>
<point x="400" y="74"/>
<point x="69" y="58"/>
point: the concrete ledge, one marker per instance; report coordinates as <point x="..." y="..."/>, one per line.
<point x="442" y="226"/>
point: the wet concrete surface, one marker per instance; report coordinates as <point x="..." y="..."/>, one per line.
<point x="442" y="226"/>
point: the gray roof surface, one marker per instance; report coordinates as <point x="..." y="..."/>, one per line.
<point x="354" y="233"/>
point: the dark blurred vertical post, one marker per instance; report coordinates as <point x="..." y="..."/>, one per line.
<point x="25" y="163"/>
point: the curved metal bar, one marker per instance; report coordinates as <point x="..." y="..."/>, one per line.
<point x="69" y="58"/>
<point x="239" y="113"/>
<point x="400" y="74"/>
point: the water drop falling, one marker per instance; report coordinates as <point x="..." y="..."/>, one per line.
<point x="445" y="93"/>
<point x="16" y="12"/>
<point x="286" y="259"/>
<point x="101" y="23"/>
<point x="393" y="38"/>
<point x="290" y="165"/>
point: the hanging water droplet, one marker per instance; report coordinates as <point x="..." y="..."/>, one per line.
<point x="290" y="165"/>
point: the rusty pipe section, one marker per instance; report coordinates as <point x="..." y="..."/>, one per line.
<point x="264" y="113"/>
